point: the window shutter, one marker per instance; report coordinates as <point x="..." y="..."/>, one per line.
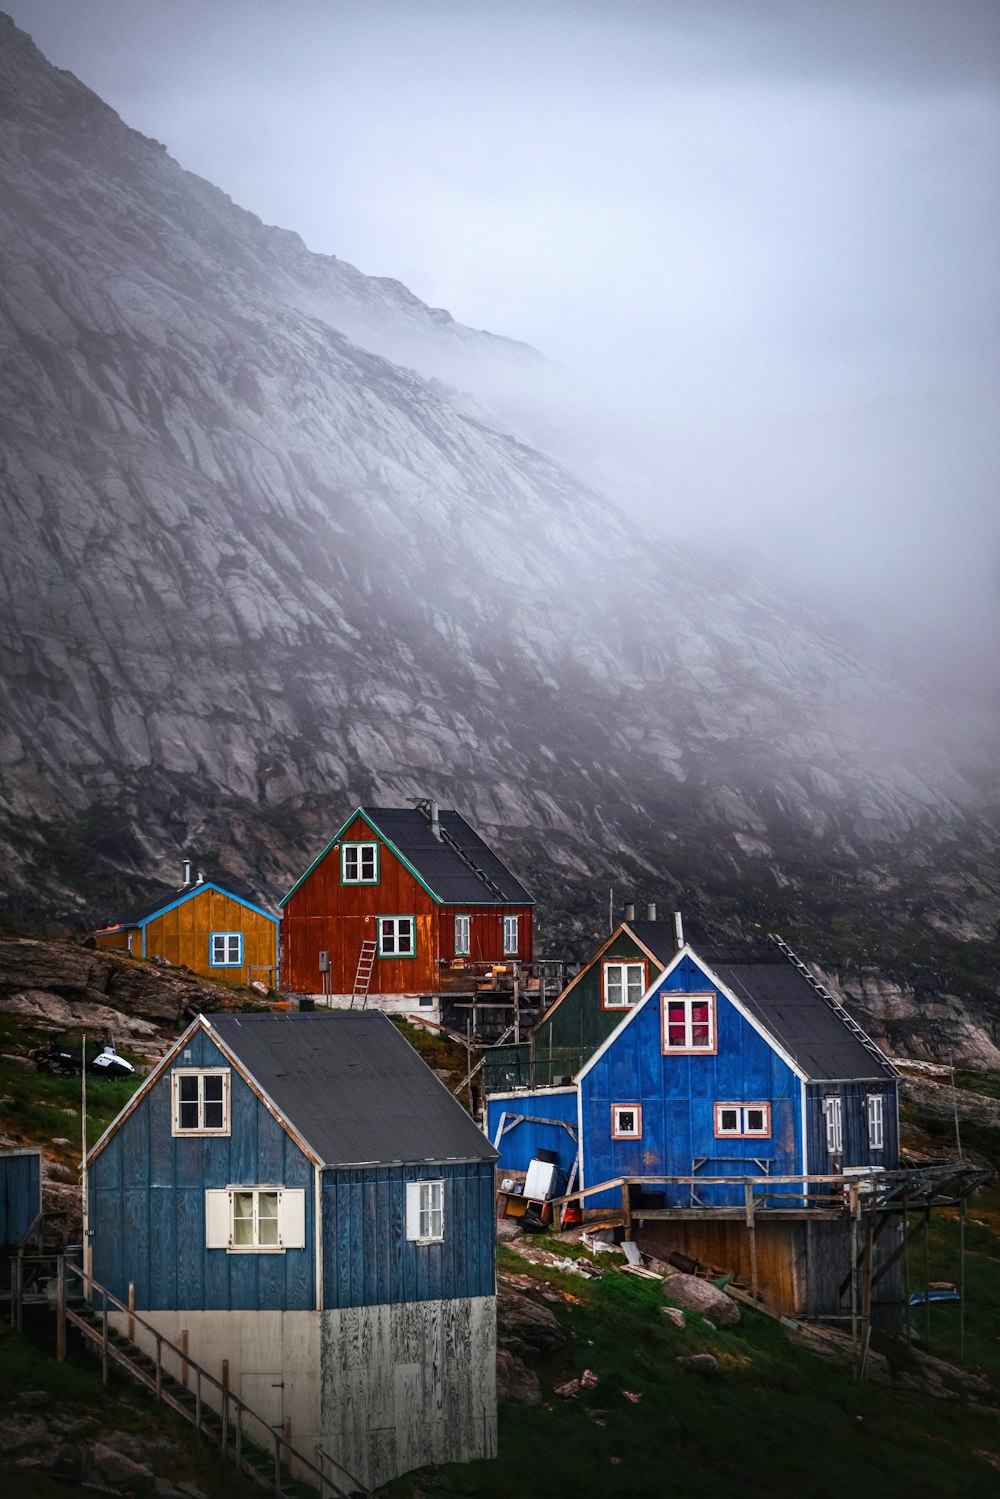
<point x="292" y="1218"/>
<point x="217" y="1225"/>
<point x="413" y="1210"/>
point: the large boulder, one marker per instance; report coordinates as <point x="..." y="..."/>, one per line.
<point x="523" y="1323"/>
<point x="515" y="1381"/>
<point x="701" y="1296"/>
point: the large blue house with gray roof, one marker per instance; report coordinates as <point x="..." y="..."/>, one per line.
<point x="300" y="1197"/>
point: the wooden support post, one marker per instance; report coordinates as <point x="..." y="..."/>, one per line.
<point x="853" y="1198"/>
<point x="184" y="1360"/>
<point x="277" y="1465"/>
<point x="159" y="1366"/>
<point x="517" y="1007"/>
<point x="131" y="1309"/>
<point x="752" y="1231"/>
<point x="104" y="1340"/>
<point x="239" y="1435"/>
<point x="866" y="1290"/>
<point x="906" y="1268"/>
<point x="225" y="1403"/>
<point x="961" y="1281"/>
<point x="17" y="1290"/>
<point x="197" y="1400"/>
<point x="627" y="1209"/>
<point x="927" y="1280"/>
<point x="61" y="1308"/>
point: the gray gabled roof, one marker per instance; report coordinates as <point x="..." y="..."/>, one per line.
<point x="441" y="866"/>
<point x="353" y="1087"/>
<point x="805" y="1025"/>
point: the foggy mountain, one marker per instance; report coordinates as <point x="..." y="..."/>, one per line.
<point x="254" y="570"/>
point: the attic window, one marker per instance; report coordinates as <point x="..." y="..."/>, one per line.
<point x="200" y="1101"/>
<point x="425" y="1211"/>
<point x="624" y="985"/>
<point x="688" y="1023"/>
<point x="359" y="864"/>
<point x="742" y="1120"/>
<point x="626" y="1121"/>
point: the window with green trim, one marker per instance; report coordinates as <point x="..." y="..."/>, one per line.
<point x="463" y="936"/>
<point x="359" y="863"/>
<point x="397" y="937"/>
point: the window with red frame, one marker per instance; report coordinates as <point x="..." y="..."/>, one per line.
<point x="688" y="1022"/>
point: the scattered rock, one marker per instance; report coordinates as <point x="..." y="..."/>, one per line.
<point x="28" y="1462"/>
<point x="698" y="1363"/>
<point x="106" y="1466"/>
<point x="523" y="1321"/>
<point x="675" y="1314"/>
<point x="632" y="1395"/>
<point x="515" y="1381"/>
<point x="567" y="1390"/>
<point x="701" y="1296"/>
<point x="507" y="1229"/>
<point x="33" y="1398"/>
<point x="588" y="1380"/>
<point x="21" y="1432"/>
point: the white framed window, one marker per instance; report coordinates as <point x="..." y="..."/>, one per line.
<point x="875" y="1111"/>
<point x="833" y="1113"/>
<point x="510" y="936"/>
<point x="743" y="1120"/>
<point x="200" y="1097"/>
<point x="688" y="1023"/>
<point x="225" y="950"/>
<point x="425" y="1211"/>
<point x="624" y="985"/>
<point x="463" y="936"/>
<point x="249" y="1220"/>
<point x="626" y="1121"/>
<point x="397" y="937"/>
<point x="359" y="863"/>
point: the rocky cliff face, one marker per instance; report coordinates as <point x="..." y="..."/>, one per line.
<point x="255" y="571"/>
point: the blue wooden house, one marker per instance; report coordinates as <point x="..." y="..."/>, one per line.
<point x="302" y="1198"/>
<point x="20" y="1194"/>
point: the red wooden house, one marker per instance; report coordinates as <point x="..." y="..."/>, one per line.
<point x="402" y="901"/>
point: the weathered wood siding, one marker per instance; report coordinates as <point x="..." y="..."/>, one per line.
<point x="129" y="939"/>
<point x="521" y="1143"/>
<point x="326" y="916"/>
<point x="406" y="1386"/>
<point x="147" y="1204"/>
<point x="367" y="1258"/>
<point x="486" y="933"/>
<point x="579" y="1023"/>
<point x="182" y="934"/>
<point x="20" y="1193"/>
<point x="854" y="1119"/>
<point x="678" y="1095"/>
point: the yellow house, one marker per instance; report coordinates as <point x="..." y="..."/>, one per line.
<point x="204" y="927"/>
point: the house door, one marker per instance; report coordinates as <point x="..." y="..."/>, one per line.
<point x="263" y="1393"/>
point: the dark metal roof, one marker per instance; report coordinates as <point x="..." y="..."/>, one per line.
<point x="657" y="936"/>
<point x="803" y="1023"/>
<point x="441" y="866"/>
<point x="227" y="885"/>
<point x="353" y="1088"/>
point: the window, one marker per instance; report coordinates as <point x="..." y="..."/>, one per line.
<point x="396" y="937"/>
<point x="742" y="1120"/>
<point x="463" y="936"/>
<point x="359" y="864"/>
<point x="624" y="985"/>
<point x="247" y="1219"/>
<point x="200" y="1101"/>
<point x="226" y="950"/>
<point x="875" y="1110"/>
<point x="834" y="1114"/>
<point x="510" y="936"/>
<point x="688" y="1022"/>
<point x="626" y="1121"/>
<point x="425" y="1211"/>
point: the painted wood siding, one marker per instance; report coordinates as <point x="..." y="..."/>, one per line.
<point x="367" y="1258"/>
<point x="486" y="933"/>
<point x="183" y="935"/>
<point x="678" y="1095"/>
<point x="147" y="1205"/>
<point x="20" y="1193"/>
<point x="128" y="940"/>
<point x="579" y="1023"/>
<point x="854" y="1121"/>
<point x="325" y="915"/>
<point x="520" y="1144"/>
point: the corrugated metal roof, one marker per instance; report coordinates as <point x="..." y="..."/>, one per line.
<point x="441" y="866"/>
<point x="228" y="886"/>
<point x="657" y="936"/>
<point x="353" y="1088"/>
<point x="799" y="1019"/>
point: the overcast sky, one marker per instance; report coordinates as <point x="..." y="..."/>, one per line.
<point x="767" y="228"/>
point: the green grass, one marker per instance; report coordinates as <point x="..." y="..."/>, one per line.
<point x="982" y="1284"/>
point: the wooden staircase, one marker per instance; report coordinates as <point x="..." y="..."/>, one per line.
<point x="363" y="977"/>
<point x="260" y="1451"/>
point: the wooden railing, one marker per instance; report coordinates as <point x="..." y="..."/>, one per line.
<point x="231" y="1411"/>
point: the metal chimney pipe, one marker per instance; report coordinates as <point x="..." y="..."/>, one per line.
<point x="651" y="911"/>
<point x="201" y="877"/>
<point x="187" y="872"/>
<point x="435" y="821"/>
<point x="678" y="931"/>
<point x="630" y="910"/>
